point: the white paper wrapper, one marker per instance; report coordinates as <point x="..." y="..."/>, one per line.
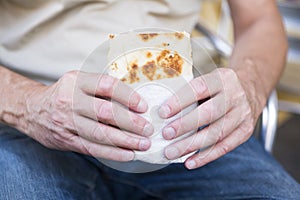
<point x="156" y="66"/>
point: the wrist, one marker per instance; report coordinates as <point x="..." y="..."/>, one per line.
<point x="31" y="107"/>
<point x="15" y="91"/>
<point x="256" y="87"/>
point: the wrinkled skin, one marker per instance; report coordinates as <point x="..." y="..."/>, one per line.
<point x="76" y="114"/>
<point x="228" y="112"/>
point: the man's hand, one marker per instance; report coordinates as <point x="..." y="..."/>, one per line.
<point x="228" y="112"/>
<point x="237" y="94"/>
<point x="83" y="112"/>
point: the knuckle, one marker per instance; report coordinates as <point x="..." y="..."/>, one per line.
<point x="224" y="149"/>
<point x="138" y="121"/>
<point x="252" y="123"/>
<point x="213" y="110"/>
<point x="134" y="100"/>
<point x="246" y="128"/>
<point x="89" y="150"/>
<point x="62" y="100"/>
<point x="248" y="116"/>
<point x="247" y="112"/>
<point x="181" y="125"/>
<point x="62" y="120"/>
<point x="193" y="144"/>
<point x="242" y="95"/>
<point x="220" y="136"/>
<point x="190" y="148"/>
<point x="212" y="136"/>
<point x="174" y="103"/>
<point x="104" y="112"/>
<point x="236" y="100"/>
<point x="98" y="133"/>
<point x="59" y="139"/>
<point x="77" y="144"/>
<point x="199" y="87"/>
<point x="119" y="156"/>
<point x="82" y="149"/>
<point x="112" y="154"/>
<point x="130" y="142"/>
<point x="226" y="72"/>
<point x="204" y="109"/>
<point x="207" y="108"/>
<point x="72" y="74"/>
<point x="57" y="118"/>
<point x="106" y="85"/>
<point x="69" y="77"/>
<point x="47" y="140"/>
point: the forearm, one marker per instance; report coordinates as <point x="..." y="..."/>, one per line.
<point x="259" y="55"/>
<point x="14" y="90"/>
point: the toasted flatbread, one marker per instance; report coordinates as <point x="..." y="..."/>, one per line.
<point x="155" y="65"/>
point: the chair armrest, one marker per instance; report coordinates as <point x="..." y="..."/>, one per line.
<point x="269" y="122"/>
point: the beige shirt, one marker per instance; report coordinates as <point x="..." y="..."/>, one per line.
<point x="43" y="39"/>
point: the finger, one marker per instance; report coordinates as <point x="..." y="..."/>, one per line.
<point x="106" y="152"/>
<point x="108" y="86"/>
<point x="99" y="133"/>
<point x="206" y="113"/>
<point x="204" y="138"/>
<point x="218" y="150"/>
<point x="198" y="89"/>
<point x="114" y="114"/>
<point x="81" y="145"/>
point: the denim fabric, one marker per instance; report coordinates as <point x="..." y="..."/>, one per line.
<point x="31" y="171"/>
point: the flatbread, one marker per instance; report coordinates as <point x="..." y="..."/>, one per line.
<point x="156" y="65"/>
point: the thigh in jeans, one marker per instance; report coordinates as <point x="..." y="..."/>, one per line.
<point x="248" y="172"/>
<point x="31" y="171"/>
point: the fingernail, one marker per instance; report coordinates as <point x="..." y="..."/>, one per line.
<point x="164" y="111"/>
<point x="171" y="153"/>
<point x="191" y="164"/>
<point x="142" y="106"/>
<point x="144" y="144"/>
<point x="148" y="130"/>
<point x="169" y="133"/>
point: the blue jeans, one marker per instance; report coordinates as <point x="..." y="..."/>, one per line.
<point x="31" y="171"/>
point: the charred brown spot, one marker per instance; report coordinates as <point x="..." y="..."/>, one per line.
<point x="152" y="35"/>
<point x="162" y="55"/>
<point x="179" y="35"/>
<point x="171" y="63"/>
<point x="111" y="36"/>
<point x="144" y="37"/>
<point x="134" y="66"/>
<point x="148" y="54"/>
<point x="158" y="76"/>
<point x="114" y="67"/>
<point x="133" y="73"/>
<point x="170" y="72"/>
<point x="165" y="44"/>
<point x="147" y="36"/>
<point x="149" y="69"/>
<point x="133" y="77"/>
<point x="123" y="79"/>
